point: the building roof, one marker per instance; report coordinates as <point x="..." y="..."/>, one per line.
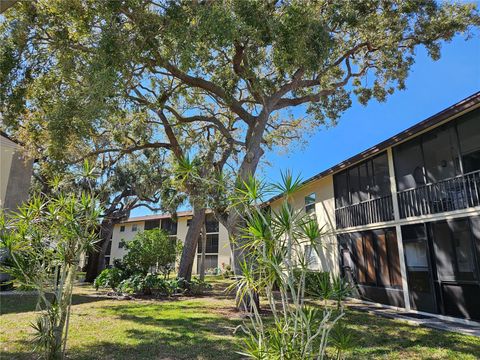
<point x="466" y="104"/>
<point x="157" y="216"/>
<point x="4" y="135"/>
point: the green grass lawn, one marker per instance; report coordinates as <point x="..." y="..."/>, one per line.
<point x="202" y="328"/>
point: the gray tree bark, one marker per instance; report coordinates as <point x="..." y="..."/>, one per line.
<point x="202" y="259"/>
<point x="191" y="243"/>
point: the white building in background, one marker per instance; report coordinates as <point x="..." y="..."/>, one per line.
<point x="217" y="254"/>
<point x="15" y="174"/>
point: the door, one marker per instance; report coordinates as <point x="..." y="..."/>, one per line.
<point x="418" y="266"/>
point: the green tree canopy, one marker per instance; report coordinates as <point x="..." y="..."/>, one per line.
<point x="215" y="78"/>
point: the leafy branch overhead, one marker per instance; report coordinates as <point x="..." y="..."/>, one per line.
<point x="217" y="69"/>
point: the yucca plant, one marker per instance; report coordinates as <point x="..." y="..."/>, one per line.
<point x="44" y="240"/>
<point x="275" y="268"/>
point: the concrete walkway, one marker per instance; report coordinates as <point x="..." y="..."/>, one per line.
<point x="414" y="318"/>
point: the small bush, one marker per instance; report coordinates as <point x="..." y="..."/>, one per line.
<point x="109" y="278"/>
<point x="317" y="283"/>
<point x="197" y="287"/>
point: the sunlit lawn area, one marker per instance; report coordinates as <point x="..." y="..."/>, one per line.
<point x="202" y="328"/>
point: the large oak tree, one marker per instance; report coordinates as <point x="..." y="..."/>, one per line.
<point x="229" y="72"/>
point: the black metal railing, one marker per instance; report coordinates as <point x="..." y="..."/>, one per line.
<point x="456" y="193"/>
<point x="366" y="212"/>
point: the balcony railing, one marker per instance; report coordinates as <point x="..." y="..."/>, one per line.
<point x="366" y="212"/>
<point x="456" y="193"/>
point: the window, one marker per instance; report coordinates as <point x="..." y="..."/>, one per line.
<point x="169" y="226"/>
<point x="121" y="244"/>
<point x="211" y="244"/>
<point x="310" y="203"/>
<point x="440" y="152"/>
<point x="408" y="160"/>
<point x="469" y="135"/>
<point x="366" y="181"/>
<point x="211" y="263"/>
<point x="453" y="250"/>
<point x="354" y="185"/>
<point x="109" y="248"/>
<point x="134" y="227"/>
<point x="311" y="256"/>
<point x="122" y="228"/>
<point x="341" y="190"/>
<point x="436" y="155"/>
<point x="381" y="177"/>
<point x="152" y="224"/>
<point x="211" y="224"/>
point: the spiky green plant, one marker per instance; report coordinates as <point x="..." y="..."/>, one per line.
<point x="45" y="240"/>
<point x="275" y="269"/>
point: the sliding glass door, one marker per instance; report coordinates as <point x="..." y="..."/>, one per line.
<point x="419" y="269"/>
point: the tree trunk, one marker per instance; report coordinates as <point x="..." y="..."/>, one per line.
<point x="191" y="243"/>
<point x="96" y="258"/>
<point x="248" y="168"/>
<point x="202" y="259"/>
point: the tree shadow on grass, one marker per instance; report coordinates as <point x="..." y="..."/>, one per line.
<point x="150" y="344"/>
<point x="377" y="337"/>
<point x="15" y="304"/>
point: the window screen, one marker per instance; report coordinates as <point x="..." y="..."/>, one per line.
<point x="341" y="190"/>
<point x="381" y="177"/>
<point x="469" y="135"/>
<point x="211" y="262"/>
<point x="440" y="151"/>
<point x="211" y="224"/>
<point x="211" y="244"/>
<point x="408" y="165"/>
<point x="169" y="226"/>
<point x="152" y="224"/>
<point x="454" y="251"/>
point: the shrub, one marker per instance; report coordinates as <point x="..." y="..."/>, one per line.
<point x="109" y="278"/>
<point x="151" y="284"/>
<point x="151" y="249"/>
<point x="197" y="287"/>
<point x="273" y="240"/>
<point x="317" y="283"/>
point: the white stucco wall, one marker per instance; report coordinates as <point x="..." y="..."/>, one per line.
<point x="328" y="257"/>
<point x="7" y="149"/>
<point x="224" y="253"/>
<point x="15" y="174"/>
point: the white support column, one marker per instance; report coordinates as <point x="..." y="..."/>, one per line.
<point x="396" y="216"/>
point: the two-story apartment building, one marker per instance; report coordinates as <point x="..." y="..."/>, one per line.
<point x="217" y="249"/>
<point x="404" y="216"/>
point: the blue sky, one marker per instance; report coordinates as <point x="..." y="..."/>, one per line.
<point x="431" y="87"/>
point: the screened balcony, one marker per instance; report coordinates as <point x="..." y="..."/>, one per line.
<point x="457" y="193"/>
<point x="439" y="171"/>
<point x="366" y="212"/>
<point x="362" y="193"/>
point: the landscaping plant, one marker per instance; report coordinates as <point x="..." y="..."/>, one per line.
<point x="44" y="240"/>
<point x="151" y="251"/>
<point x="276" y="268"/>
